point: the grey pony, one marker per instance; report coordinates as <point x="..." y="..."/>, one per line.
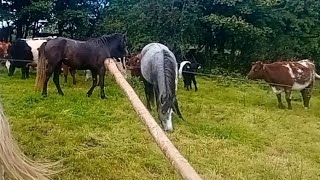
<point x="160" y="72"/>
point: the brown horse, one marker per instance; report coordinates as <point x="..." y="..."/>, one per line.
<point x="82" y="55"/>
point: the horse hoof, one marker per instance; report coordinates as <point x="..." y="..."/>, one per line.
<point x="44" y="95"/>
<point x="88" y="95"/>
<point x="103" y="97"/>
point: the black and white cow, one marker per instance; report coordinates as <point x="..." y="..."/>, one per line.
<point x="187" y="71"/>
<point x="24" y="53"/>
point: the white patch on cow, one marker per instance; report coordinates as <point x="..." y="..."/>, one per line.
<point x="299" y="87"/>
<point x="182" y="64"/>
<point x="8" y="65"/>
<point x="35" y="44"/>
<point x="290" y="70"/>
<point x="304" y="63"/>
<point x="277" y="90"/>
<point x="299" y="71"/>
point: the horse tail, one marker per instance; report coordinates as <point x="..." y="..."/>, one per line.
<point x="12" y="159"/>
<point x="41" y="67"/>
<point x="169" y="80"/>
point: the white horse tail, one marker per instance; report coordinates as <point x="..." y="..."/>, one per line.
<point x="15" y="163"/>
<point x="317" y="75"/>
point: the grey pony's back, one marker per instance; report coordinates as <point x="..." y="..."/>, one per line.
<point x="159" y="67"/>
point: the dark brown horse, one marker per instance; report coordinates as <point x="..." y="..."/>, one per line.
<point x="82" y="55"/>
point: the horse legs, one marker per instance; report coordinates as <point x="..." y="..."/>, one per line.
<point x="176" y="108"/>
<point x="65" y="72"/>
<point x="49" y="72"/>
<point x="56" y="79"/>
<point x="148" y="89"/>
<point x="94" y="83"/>
<point x="73" y="74"/>
<point x="102" y="73"/>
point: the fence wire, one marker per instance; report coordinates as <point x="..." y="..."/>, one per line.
<point x="197" y="73"/>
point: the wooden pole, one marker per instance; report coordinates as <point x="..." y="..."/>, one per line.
<point x="170" y="151"/>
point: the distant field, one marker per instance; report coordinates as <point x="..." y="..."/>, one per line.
<point x="235" y="131"/>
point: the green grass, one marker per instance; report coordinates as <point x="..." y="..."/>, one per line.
<point x="235" y="131"/>
<point x="96" y="139"/>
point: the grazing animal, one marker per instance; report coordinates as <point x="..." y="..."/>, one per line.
<point x="20" y="50"/>
<point x="286" y="77"/>
<point x="4" y="49"/>
<point x="159" y="70"/>
<point x="82" y="55"/>
<point x="187" y="71"/>
<point x="24" y="49"/>
<point x="134" y="65"/>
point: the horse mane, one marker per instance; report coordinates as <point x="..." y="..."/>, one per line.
<point x="169" y="78"/>
<point x="105" y="40"/>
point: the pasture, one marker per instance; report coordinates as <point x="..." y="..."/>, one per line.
<point x="235" y="131"/>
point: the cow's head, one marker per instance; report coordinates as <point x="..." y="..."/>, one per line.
<point x="257" y="71"/>
<point x="133" y="62"/>
<point x="5" y="47"/>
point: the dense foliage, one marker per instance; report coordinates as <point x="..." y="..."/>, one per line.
<point x="218" y="33"/>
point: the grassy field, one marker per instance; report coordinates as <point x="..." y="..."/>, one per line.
<point x="235" y="131"/>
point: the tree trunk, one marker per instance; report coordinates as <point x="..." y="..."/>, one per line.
<point x="19" y="29"/>
<point x="26" y="30"/>
<point x="34" y="29"/>
<point x="60" y="28"/>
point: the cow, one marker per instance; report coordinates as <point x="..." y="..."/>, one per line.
<point x="187" y="71"/>
<point x="285" y="76"/>
<point x="4" y="48"/>
<point x="133" y="65"/>
<point x="21" y="54"/>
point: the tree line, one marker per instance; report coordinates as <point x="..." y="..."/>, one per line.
<point x="227" y="34"/>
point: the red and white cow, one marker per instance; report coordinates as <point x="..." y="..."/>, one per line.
<point x="285" y="77"/>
